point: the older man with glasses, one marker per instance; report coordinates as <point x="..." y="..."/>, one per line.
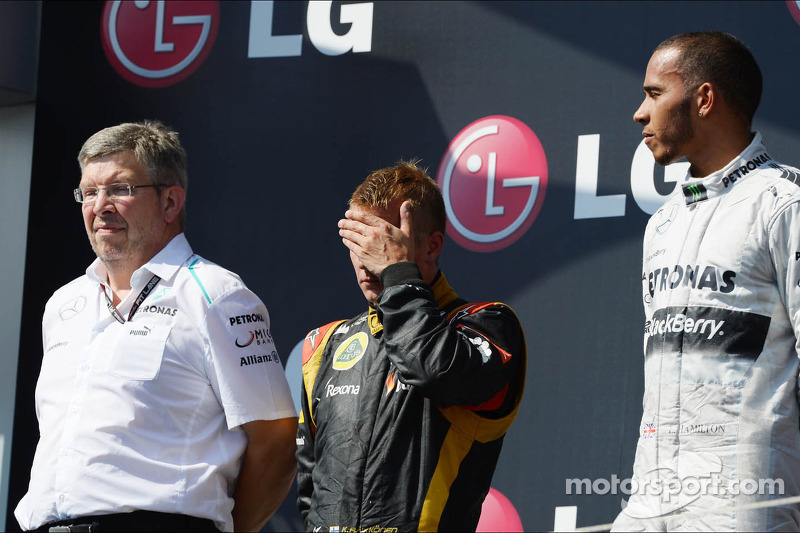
<point x="162" y="403"/>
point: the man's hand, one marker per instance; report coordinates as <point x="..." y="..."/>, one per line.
<point x="375" y="240"/>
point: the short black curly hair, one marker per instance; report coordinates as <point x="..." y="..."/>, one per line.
<point x="725" y="62"/>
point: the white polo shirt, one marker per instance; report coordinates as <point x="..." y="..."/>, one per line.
<point x="143" y="415"/>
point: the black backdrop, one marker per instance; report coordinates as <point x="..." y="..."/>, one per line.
<point x="276" y="145"/>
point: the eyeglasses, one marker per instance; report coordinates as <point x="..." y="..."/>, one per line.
<point x="113" y="192"/>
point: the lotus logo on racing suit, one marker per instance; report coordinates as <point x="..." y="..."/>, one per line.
<point x="350" y="351"/>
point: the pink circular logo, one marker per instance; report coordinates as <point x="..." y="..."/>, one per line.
<point x="493" y="179"/>
<point x="156" y="44"/>
<point x="794" y="9"/>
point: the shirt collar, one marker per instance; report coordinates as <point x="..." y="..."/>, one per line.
<point x="442" y="292"/>
<point x="165" y="264"/>
<point x="718" y="183"/>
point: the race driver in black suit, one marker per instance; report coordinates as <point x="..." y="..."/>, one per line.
<point x="405" y="406"/>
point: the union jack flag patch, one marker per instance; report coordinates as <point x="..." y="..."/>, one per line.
<point x="648" y="431"/>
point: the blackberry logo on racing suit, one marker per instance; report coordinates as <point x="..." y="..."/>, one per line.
<point x="709" y="277"/>
<point x="350" y="351"/>
<point x="687" y="329"/>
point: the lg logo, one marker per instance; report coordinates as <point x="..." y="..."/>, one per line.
<point x="493" y="179"/>
<point x="157" y="44"/>
<point x="494" y="176"/>
<point x="794" y="9"/>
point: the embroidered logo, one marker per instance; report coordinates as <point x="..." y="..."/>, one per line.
<point x="350" y="351"/>
<point x="72" y="308"/>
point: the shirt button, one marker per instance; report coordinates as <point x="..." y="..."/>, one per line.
<point x="61" y="497"/>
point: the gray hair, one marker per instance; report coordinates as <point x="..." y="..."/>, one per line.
<point x="155" y="146"/>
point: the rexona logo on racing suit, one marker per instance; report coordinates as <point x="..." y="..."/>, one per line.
<point x="336" y="390"/>
<point x="350" y="351"/>
<point x="697" y="276"/>
<point x="696" y="328"/>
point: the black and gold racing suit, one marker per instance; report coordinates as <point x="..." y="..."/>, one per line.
<point x="404" y="409"/>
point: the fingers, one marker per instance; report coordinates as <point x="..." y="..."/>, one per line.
<point x="352" y="246"/>
<point x="366" y="218"/>
<point x="405" y="218"/>
<point x="352" y="230"/>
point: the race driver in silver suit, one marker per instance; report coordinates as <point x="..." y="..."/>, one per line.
<point x="721" y="268"/>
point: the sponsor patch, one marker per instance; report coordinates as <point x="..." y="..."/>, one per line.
<point x="664" y="220"/>
<point x="696" y="192"/>
<point x="259" y="336"/>
<point x="336" y="390"/>
<point x="247" y="342"/>
<point x="72" y="308"/>
<point x="698" y="429"/>
<point x="143" y="332"/>
<point x="246" y="319"/>
<point x="695" y="329"/>
<point x="393" y="383"/>
<point x="56" y="345"/>
<point x="483" y="348"/>
<point x="256" y="359"/>
<point x="350" y="351"/>
<point x="161" y="293"/>
<point x="747" y="167"/>
<point x="694" y="276"/>
<point x="169" y="311"/>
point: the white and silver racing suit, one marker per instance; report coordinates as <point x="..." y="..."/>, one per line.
<point x="721" y="285"/>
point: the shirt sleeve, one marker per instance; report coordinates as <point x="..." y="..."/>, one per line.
<point x="242" y="363"/>
<point x="468" y="360"/>
<point x="784" y="244"/>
